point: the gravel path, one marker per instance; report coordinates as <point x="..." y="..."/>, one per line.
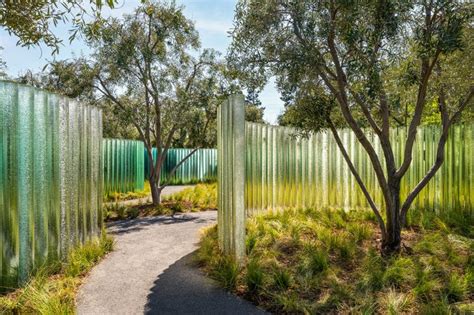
<point x="151" y="272"/>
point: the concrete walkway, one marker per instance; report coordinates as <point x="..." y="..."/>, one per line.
<point x="151" y="272"/>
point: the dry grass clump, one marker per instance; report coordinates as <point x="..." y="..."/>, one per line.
<point x="328" y="262"/>
<point x="117" y="196"/>
<point x="198" y="198"/>
<point x="53" y="289"/>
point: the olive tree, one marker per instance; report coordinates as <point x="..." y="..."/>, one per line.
<point x="343" y="51"/>
<point x="143" y="65"/>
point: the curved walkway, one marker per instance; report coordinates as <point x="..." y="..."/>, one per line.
<point x="151" y="272"/>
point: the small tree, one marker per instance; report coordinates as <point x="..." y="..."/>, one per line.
<point x="142" y="65"/>
<point x="339" y="56"/>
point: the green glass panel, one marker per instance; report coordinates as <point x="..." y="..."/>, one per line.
<point x="123" y="164"/>
<point x="290" y="171"/>
<point x="201" y="166"/>
<point x="50" y="164"/>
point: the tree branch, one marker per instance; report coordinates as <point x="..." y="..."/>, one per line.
<point x="440" y="151"/>
<point x="357" y="176"/>
<point x="173" y="171"/>
<point x="425" y="74"/>
<point x="344" y="105"/>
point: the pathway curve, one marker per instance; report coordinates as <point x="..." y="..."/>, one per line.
<point x="151" y="272"/>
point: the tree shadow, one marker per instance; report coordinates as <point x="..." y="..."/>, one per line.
<point x="183" y="289"/>
<point x="134" y="225"/>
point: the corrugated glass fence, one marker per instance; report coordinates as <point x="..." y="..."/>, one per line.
<point x="123" y="166"/>
<point x="199" y="167"/>
<point x="284" y="170"/>
<point x="50" y="178"/>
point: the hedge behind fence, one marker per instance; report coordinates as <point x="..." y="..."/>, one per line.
<point x="50" y="178"/>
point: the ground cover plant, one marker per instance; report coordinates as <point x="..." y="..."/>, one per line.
<point x="53" y="289"/>
<point x="328" y="261"/>
<point x="201" y="197"/>
<point x="117" y="196"/>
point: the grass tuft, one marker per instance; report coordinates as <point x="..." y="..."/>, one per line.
<point x="400" y="271"/>
<point x="282" y="279"/>
<point x="226" y="271"/>
<point x="117" y="196"/>
<point x="394" y="303"/>
<point x="53" y="288"/>
<point x="254" y="276"/>
<point x="456" y="288"/>
<point x="198" y="198"/>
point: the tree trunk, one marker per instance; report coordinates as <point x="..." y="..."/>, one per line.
<point x="155" y="192"/>
<point x="392" y="239"/>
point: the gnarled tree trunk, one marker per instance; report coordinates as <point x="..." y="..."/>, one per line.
<point x="391" y="239"/>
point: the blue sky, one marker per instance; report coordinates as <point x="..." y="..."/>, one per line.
<point x="213" y="20"/>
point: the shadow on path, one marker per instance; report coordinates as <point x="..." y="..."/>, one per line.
<point x="184" y="289"/>
<point x="150" y="271"/>
<point x="134" y="225"/>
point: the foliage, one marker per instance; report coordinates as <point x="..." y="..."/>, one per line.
<point x="360" y="64"/>
<point x="254" y="276"/>
<point x="306" y="273"/>
<point x="253" y="107"/>
<point x="53" y="289"/>
<point x="33" y="21"/>
<point x="115" y="211"/>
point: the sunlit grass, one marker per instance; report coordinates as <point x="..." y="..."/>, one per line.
<point x="201" y="197"/>
<point x="328" y="261"/>
<point x="53" y="289"/>
<point x="198" y="198"/>
<point x="120" y="196"/>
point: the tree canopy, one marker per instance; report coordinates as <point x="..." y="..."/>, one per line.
<point x="33" y="22"/>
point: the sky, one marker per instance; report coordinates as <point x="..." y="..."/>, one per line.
<point x="212" y="18"/>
